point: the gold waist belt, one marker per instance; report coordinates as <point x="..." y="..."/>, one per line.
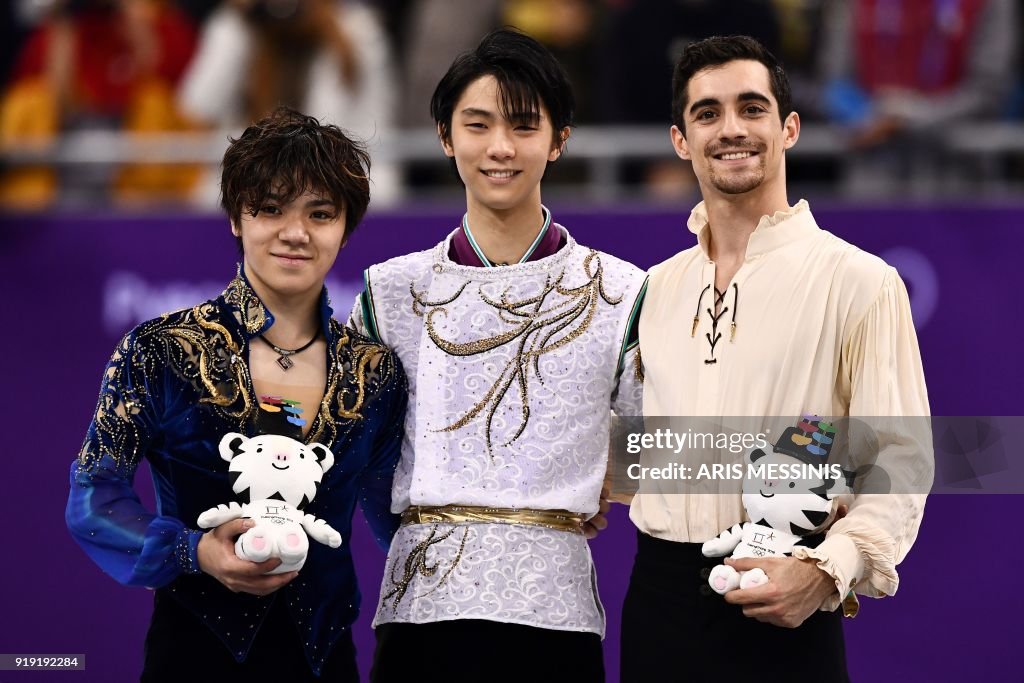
<point x="559" y="520"/>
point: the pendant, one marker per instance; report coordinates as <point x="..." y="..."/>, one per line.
<point x="285" y="362"/>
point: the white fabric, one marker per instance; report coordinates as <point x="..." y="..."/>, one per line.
<point x="821" y="328"/>
<point x="558" y="461"/>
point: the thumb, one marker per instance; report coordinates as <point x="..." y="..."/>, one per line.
<point x="235" y="527"/>
<point x="743" y="564"/>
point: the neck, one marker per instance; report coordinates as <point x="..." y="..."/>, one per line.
<point x="296" y="317"/>
<point x="505" y="235"/>
<point x="733" y="218"/>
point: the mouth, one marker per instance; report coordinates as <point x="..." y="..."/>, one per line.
<point x="291" y="259"/>
<point x="735" y="156"/>
<point x="274" y="465"/>
<point x="500" y="176"/>
<point x="767" y="495"/>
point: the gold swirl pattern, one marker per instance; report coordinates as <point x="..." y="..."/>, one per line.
<point x="540" y="327"/>
<point x="416" y="563"/>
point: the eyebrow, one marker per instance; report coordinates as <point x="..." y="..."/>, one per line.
<point x="748" y="96"/>
<point x="312" y="203"/>
<point x="471" y="111"/>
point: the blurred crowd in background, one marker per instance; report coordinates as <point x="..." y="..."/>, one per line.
<point x="915" y="98"/>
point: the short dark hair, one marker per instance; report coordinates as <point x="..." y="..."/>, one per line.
<point x="719" y="50"/>
<point x="289" y="153"/>
<point x="527" y="74"/>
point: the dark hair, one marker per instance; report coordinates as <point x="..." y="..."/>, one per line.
<point x="289" y="153"/>
<point x="719" y="50"/>
<point x="527" y="74"/>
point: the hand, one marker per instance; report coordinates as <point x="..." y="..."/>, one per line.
<point x="795" y="590"/>
<point x="216" y="554"/>
<point x="598" y="523"/>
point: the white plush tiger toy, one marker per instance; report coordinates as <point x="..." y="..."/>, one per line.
<point x="783" y="511"/>
<point x="276" y="477"/>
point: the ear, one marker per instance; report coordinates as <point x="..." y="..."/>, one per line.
<point x="756" y="455"/>
<point x="446" y="143"/>
<point x="235" y="229"/>
<point x="323" y="455"/>
<point x="791" y="130"/>
<point x="231" y="445"/>
<point x="679" y="143"/>
<point x="563" y="137"/>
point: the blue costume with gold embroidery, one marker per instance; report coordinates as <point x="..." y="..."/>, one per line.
<point x="174" y="386"/>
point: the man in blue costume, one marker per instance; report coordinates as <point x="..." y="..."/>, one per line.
<point x="294" y="191"/>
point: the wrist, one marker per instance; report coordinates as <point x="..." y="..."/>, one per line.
<point x="186" y="550"/>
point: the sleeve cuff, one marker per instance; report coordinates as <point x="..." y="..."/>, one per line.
<point x="838" y="557"/>
<point x="186" y="549"/>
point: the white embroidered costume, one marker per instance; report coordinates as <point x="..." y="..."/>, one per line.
<point x="512" y="372"/>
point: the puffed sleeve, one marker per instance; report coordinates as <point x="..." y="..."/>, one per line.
<point x="104" y="514"/>
<point x="377" y="478"/>
<point x="882" y="368"/>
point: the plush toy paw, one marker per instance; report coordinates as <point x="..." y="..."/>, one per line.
<point x="723" y="579"/>
<point x="254" y="546"/>
<point x="753" y="578"/>
<point x="292" y="546"/>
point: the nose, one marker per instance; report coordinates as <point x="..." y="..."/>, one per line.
<point x="501" y="146"/>
<point x="733" y="126"/>
<point x="281" y="457"/>
<point x="294" y="232"/>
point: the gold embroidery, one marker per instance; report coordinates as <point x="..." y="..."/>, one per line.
<point x="416" y="563"/>
<point x="249" y="310"/>
<point x="533" y="325"/>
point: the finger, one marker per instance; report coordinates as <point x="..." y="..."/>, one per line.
<point x="749" y="596"/>
<point x="247" y="568"/>
<point x="589" y="530"/>
<point x="603" y="506"/>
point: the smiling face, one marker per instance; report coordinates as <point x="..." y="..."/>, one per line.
<point x="733" y="135"/>
<point x="290" y="247"/>
<point x="500" y="159"/>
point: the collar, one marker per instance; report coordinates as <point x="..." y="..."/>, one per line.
<point x="254" y="317"/>
<point x="771" y="232"/>
<point x="465" y="251"/>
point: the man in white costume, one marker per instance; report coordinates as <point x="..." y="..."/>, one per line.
<point x="517" y="342"/>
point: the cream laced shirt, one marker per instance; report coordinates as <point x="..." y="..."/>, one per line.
<point x="822" y="328"/>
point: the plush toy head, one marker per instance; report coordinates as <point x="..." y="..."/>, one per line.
<point x="800" y="505"/>
<point x="276" y="467"/>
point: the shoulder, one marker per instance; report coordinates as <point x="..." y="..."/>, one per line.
<point x="412" y="264"/>
<point x="857" y="274"/>
<point x="366" y="362"/>
<point x="674" y="266"/>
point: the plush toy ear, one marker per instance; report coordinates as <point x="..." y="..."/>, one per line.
<point x="231" y="445"/>
<point x="756" y="455"/>
<point x="323" y="455"/>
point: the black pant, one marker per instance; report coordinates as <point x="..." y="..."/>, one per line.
<point x="180" y="647"/>
<point x="675" y="628"/>
<point x="473" y="650"/>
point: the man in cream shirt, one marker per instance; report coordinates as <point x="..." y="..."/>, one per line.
<point x="769" y="315"/>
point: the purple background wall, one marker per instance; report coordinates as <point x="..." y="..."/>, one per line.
<point x="75" y="284"/>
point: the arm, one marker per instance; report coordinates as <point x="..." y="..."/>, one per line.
<point x="627" y="401"/>
<point x="885" y="378"/>
<point x="377" y="478"/>
<point x="103" y="512"/>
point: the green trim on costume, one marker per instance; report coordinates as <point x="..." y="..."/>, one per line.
<point x="631" y="340"/>
<point x="369" y="317"/>
<point x="529" y="252"/>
